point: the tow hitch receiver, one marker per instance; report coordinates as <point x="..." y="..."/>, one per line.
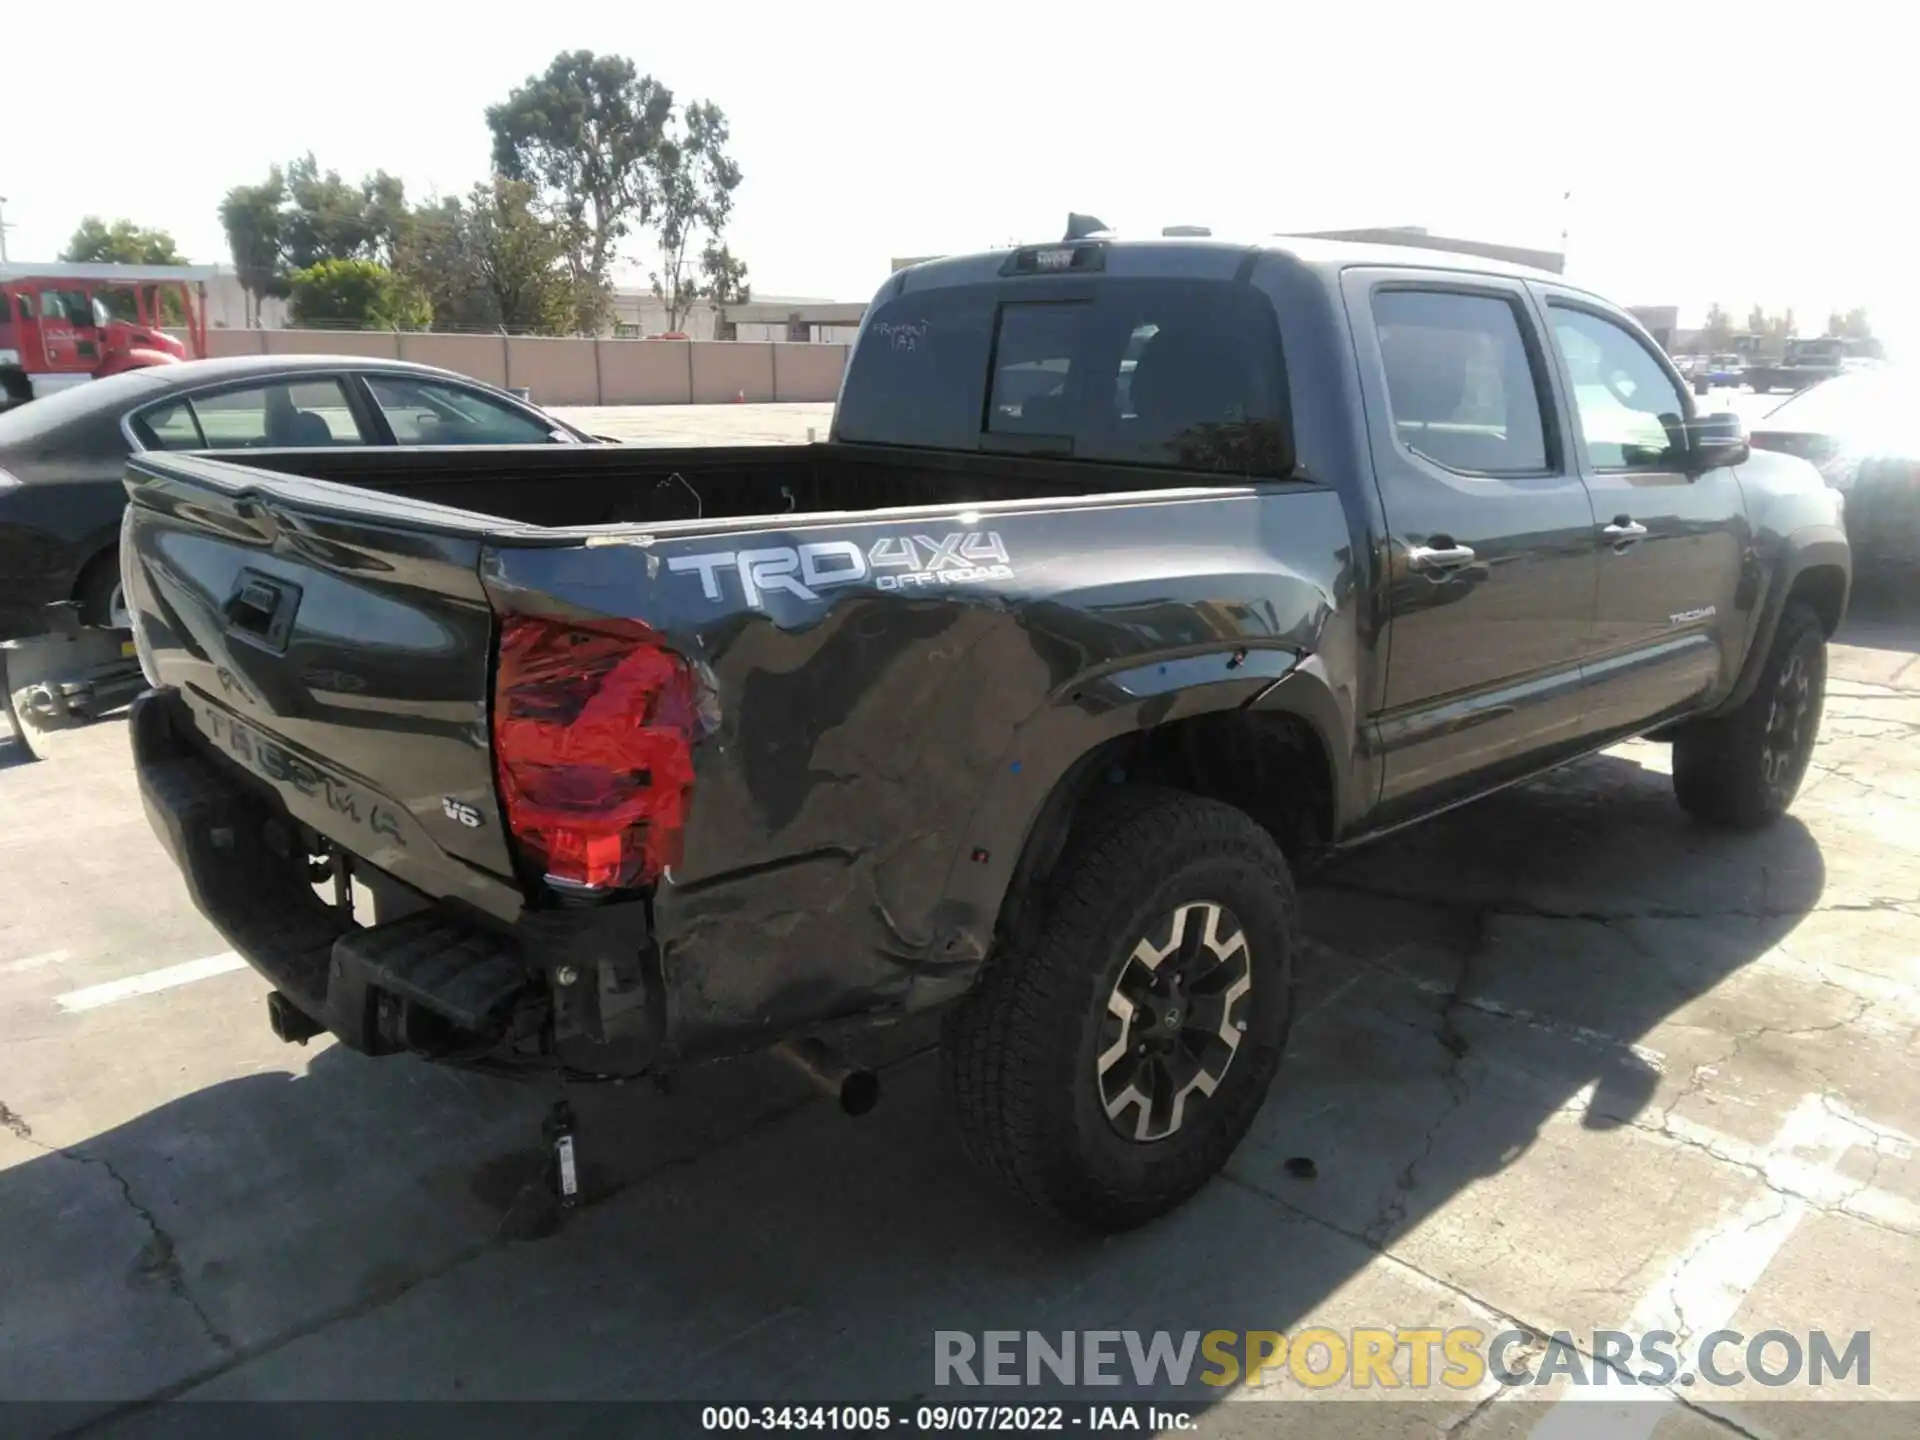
<point x="289" y="1021"/>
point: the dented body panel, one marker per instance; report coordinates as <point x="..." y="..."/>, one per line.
<point x="883" y="752"/>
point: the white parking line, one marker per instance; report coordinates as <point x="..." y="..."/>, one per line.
<point x="205" y="968"/>
<point x="34" y="962"/>
<point x="1708" y="1281"/>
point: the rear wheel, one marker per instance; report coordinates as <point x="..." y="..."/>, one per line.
<point x="103" y="602"/>
<point x="1108" y="1068"/>
<point x="1743" y="770"/>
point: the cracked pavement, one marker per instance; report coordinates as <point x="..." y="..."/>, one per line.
<point x="1562" y="1060"/>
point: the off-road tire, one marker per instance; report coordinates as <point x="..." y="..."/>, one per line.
<point x="1722" y="773"/>
<point x="1021" y="1051"/>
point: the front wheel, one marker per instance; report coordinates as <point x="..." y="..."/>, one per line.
<point x="1106" y="1069"/>
<point x="1742" y="770"/>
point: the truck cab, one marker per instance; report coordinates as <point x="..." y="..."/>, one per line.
<point x="64" y="325"/>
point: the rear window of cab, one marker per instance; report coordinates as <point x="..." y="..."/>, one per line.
<point x="1182" y="374"/>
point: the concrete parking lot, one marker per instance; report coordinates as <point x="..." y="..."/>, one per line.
<point x="1565" y="1062"/>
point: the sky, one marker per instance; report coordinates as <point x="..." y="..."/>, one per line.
<point x="1711" y="152"/>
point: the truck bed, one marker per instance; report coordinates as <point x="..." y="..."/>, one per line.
<point x="566" y="486"/>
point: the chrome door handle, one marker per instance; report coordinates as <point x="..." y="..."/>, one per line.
<point x="1442" y="557"/>
<point x="1624" y="531"/>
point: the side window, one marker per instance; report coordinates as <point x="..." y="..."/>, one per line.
<point x="1460" y="385"/>
<point x="1630" y="410"/>
<point x="422" y="412"/>
<point x="284" y="415"/>
<point x="168" y="426"/>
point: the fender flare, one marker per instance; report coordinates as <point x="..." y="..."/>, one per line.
<point x="1816" y="548"/>
<point x="1023" y="817"/>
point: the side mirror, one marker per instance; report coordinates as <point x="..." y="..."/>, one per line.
<point x="1716" y="440"/>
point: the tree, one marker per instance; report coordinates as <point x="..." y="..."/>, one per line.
<point x="328" y="219"/>
<point x="1850" y="324"/>
<point x="125" y="243"/>
<point x="489" y="261"/>
<point x="1716" y="335"/>
<point x="121" y="243"/>
<point x="251" y="216"/>
<point x="360" y="294"/>
<point x="725" y="277"/>
<point x="694" y="181"/>
<point x="1776" y="328"/>
<point x="520" y="259"/>
<point x="584" y="135"/>
<point x="437" y="257"/>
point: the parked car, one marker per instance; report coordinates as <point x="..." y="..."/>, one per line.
<point x="1717" y="370"/>
<point x="1861" y="429"/>
<point x="1024" y="707"/>
<point x="1807" y="363"/>
<point x="62" y="457"/>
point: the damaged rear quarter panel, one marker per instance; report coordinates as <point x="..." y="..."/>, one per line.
<point x="875" y="741"/>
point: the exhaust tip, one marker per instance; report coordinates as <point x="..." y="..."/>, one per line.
<point x="860" y="1092"/>
<point x="856" y="1090"/>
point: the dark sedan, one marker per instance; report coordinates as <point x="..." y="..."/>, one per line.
<point x="61" y="457"/>
<point x="1863" y="430"/>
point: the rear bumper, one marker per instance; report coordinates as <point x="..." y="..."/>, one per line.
<point x="562" y="990"/>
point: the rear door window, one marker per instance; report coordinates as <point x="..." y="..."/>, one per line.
<point x="169" y="426"/>
<point x="1462" y="388"/>
<point x="1177" y="373"/>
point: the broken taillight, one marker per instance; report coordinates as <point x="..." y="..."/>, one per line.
<point x="594" y="724"/>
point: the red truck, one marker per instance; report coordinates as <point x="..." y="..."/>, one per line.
<point x="62" y="325"/>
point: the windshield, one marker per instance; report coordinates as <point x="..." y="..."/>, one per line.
<point x="1854" y="406"/>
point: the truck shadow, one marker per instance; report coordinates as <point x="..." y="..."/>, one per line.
<point x="1881" y="613"/>
<point x="1467" y="988"/>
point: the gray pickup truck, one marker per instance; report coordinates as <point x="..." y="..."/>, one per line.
<point x="1133" y="577"/>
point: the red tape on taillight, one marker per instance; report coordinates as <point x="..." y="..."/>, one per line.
<point x="594" y="725"/>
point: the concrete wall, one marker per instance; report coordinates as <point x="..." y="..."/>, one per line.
<point x="579" y="371"/>
<point x="647" y="372"/>
<point x="732" y="372"/>
<point x="484" y="357"/>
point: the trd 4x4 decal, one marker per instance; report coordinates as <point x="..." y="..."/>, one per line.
<point x="894" y="562"/>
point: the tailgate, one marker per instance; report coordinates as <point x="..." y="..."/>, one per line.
<point x="337" y="644"/>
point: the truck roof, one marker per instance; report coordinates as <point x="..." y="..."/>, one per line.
<point x="1224" y="254"/>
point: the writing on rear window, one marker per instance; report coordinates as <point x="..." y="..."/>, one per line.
<point x="893" y="562"/>
<point x="902" y="337"/>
